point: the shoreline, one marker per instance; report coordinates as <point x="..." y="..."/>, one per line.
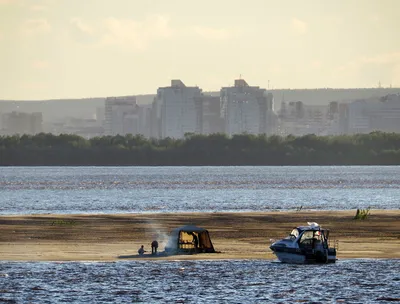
<point x="241" y="235"/>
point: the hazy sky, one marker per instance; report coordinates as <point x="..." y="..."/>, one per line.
<point x="89" y="48"/>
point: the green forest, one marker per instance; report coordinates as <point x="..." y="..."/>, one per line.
<point x="376" y="148"/>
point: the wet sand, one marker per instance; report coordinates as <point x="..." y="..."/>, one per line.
<point x="234" y="235"/>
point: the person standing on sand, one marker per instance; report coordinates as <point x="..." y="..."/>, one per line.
<point x="141" y="250"/>
<point x="154" y="246"/>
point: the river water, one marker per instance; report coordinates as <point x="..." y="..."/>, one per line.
<point x="31" y="190"/>
<point x="245" y="281"/>
<point x="195" y="189"/>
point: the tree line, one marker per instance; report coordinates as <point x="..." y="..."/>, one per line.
<point x="377" y="148"/>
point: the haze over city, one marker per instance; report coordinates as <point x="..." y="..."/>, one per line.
<point x="78" y="49"/>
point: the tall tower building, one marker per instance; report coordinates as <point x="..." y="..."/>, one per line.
<point x="175" y="110"/>
<point x="208" y="119"/>
<point x="247" y="109"/>
<point x="121" y="115"/>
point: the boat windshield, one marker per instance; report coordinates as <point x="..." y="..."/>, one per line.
<point x="294" y="234"/>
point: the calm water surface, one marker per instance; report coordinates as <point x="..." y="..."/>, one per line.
<point x="195" y="189"/>
<point x="347" y="281"/>
<point x="202" y="189"/>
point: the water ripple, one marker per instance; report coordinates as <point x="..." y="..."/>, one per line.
<point x="195" y="189"/>
<point x="348" y="281"/>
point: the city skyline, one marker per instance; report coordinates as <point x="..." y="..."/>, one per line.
<point x="66" y="49"/>
<point x="241" y="109"/>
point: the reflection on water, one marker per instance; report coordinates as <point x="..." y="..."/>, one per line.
<point x="195" y="189"/>
<point x="347" y="281"/>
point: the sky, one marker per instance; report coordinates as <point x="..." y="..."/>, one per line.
<point x="53" y="49"/>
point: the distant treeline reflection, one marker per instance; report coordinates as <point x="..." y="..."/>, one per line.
<point x="376" y="148"/>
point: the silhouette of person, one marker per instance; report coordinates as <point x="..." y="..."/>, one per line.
<point x="154" y="246"/>
<point x="195" y="241"/>
<point x="141" y="250"/>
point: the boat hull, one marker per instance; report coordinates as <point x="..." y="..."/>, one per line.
<point x="297" y="256"/>
<point x="291" y="258"/>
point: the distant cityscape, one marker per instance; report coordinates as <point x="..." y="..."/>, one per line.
<point x="241" y="108"/>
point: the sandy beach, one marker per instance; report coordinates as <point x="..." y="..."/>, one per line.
<point x="234" y="235"/>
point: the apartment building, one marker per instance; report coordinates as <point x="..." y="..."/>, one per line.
<point x="374" y="114"/>
<point x="174" y="111"/>
<point x="121" y="115"/>
<point x="208" y="115"/>
<point x="21" y="123"/>
<point x="247" y="109"/>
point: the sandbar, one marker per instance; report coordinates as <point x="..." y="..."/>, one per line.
<point x="242" y="235"/>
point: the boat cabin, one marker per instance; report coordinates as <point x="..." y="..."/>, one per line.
<point x="310" y="236"/>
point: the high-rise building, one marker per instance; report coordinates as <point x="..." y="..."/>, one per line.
<point x="247" y="109"/>
<point x="174" y="111"/>
<point x="22" y="123"/>
<point x="294" y="111"/>
<point x="342" y="119"/>
<point x="358" y="119"/>
<point x="374" y="114"/>
<point x="386" y="116"/>
<point x="144" y="127"/>
<point x="155" y="118"/>
<point x="100" y="115"/>
<point x="333" y="110"/>
<point x="208" y="115"/>
<point x="121" y="115"/>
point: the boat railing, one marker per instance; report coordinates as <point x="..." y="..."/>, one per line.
<point x="333" y="244"/>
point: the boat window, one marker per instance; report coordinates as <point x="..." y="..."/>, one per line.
<point x="307" y="235"/>
<point x="294" y="233"/>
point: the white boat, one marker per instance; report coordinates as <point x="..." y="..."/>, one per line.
<point x="305" y="244"/>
